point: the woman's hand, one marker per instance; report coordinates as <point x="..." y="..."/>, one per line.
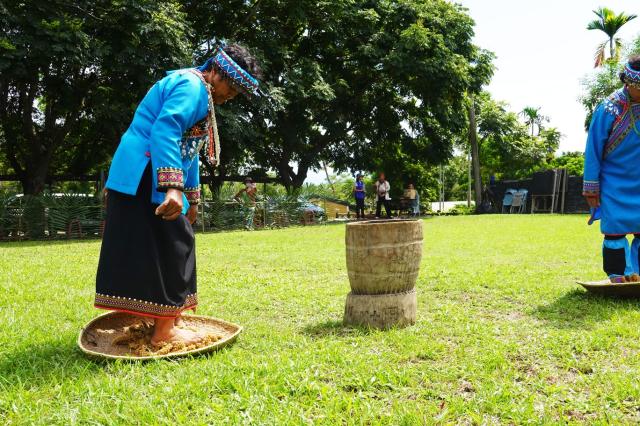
<point x="171" y="208"/>
<point x="192" y="214"/>
<point x="592" y="199"/>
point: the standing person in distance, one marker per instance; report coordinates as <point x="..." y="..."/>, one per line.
<point x="360" y="193"/>
<point x="382" y="196"/>
<point x="249" y="193"/>
<point x="414" y="199"/>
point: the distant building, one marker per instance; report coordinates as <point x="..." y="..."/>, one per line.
<point x="333" y="208"/>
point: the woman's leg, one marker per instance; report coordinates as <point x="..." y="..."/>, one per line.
<point x="250" y="216"/>
<point x="147" y="265"/>
<point x="635" y="254"/>
<point x="616" y="256"/>
<point x="387" y="208"/>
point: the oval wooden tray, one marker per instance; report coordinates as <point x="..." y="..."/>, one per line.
<point x="95" y="338"/>
<point x="606" y="288"/>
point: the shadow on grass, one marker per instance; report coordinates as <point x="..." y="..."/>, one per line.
<point x="43" y="363"/>
<point x="581" y="309"/>
<point x="335" y="328"/>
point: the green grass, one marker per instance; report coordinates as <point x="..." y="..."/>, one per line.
<point x="503" y="336"/>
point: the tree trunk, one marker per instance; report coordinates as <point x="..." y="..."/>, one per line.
<point x="36" y="170"/>
<point x="299" y="179"/>
<point x="469" y="179"/>
<point x="326" y="172"/>
<point x="611" y="49"/>
<point x="291" y="180"/>
<point x="475" y="154"/>
<point x="33" y="184"/>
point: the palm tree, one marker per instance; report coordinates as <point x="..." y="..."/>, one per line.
<point x="609" y="23"/>
<point x="533" y="118"/>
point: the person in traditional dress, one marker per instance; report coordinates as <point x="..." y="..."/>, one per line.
<point x="147" y="261"/>
<point x="612" y="176"/>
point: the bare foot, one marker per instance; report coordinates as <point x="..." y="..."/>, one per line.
<point x="165" y="331"/>
<point x="178" y="322"/>
<point x="178" y="335"/>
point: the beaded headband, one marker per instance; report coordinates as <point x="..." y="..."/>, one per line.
<point x="631" y="76"/>
<point x="238" y="77"/>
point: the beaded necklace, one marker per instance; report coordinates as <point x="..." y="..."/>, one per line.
<point x="212" y="145"/>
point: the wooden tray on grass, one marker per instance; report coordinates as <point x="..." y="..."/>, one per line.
<point x="95" y="338"/>
<point x="607" y="288"/>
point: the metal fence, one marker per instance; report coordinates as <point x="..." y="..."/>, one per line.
<point x="215" y="215"/>
<point x="83" y="216"/>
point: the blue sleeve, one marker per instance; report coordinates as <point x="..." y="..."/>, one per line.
<point x="180" y="108"/>
<point x="599" y="131"/>
<point x="192" y="185"/>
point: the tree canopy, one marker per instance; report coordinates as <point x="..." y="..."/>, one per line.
<point x="71" y="74"/>
<point x="604" y="81"/>
<point x="362" y="85"/>
<point x="609" y="23"/>
<point x="359" y="84"/>
<point x="507" y="149"/>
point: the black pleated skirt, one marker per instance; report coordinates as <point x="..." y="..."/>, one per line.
<point x="147" y="264"/>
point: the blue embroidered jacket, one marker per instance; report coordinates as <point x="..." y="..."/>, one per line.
<point x="159" y="132"/>
<point x="611" y="163"/>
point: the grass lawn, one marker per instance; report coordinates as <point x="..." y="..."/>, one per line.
<point x="503" y="336"/>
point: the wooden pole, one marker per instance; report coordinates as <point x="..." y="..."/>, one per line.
<point x="554" y="190"/>
<point x="469" y="178"/>
<point x="565" y="186"/>
<point x="441" y="198"/>
<point x="475" y="153"/>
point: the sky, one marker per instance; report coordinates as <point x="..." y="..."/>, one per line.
<point x="543" y="51"/>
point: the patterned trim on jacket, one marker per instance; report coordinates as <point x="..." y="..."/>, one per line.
<point x="193" y="195"/>
<point x="170" y="177"/>
<point x="590" y="187"/>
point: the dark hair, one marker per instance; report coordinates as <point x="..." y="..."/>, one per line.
<point x="634" y="63"/>
<point x="244" y="58"/>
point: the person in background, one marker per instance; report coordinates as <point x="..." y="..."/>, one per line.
<point x="414" y="199"/>
<point x="248" y="200"/>
<point x="359" y="193"/>
<point x="382" y="196"/>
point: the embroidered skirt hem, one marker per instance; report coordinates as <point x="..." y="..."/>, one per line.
<point x="143" y="308"/>
<point x="147" y="264"/>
